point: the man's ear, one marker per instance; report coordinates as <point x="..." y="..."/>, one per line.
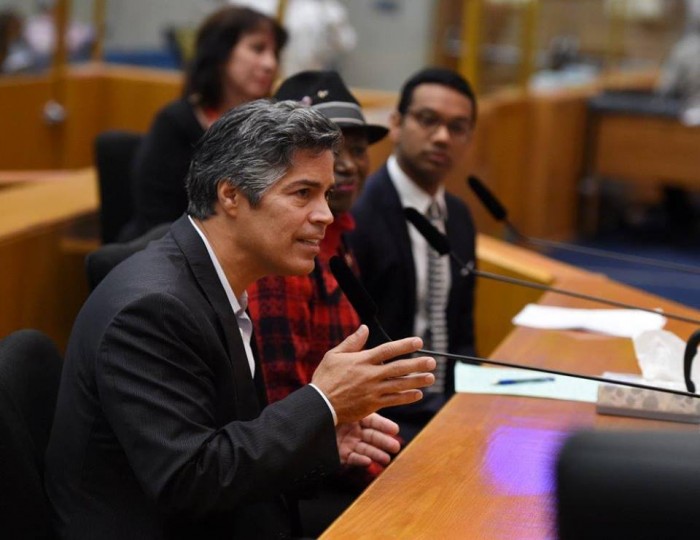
<point x="395" y="119"/>
<point x="229" y="198"/>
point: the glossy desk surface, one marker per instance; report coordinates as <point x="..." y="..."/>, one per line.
<point x="39" y="199"/>
<point x="483" y="468"/>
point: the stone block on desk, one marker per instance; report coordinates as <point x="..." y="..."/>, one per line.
<point x="641" y="403"/>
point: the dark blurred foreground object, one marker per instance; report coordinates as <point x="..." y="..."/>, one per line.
<point x="30" y="370"/>
<point x="627" y="484"/>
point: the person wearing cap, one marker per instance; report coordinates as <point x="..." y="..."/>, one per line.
<point x="416" y="291"/>
<point x="298" y="318"/>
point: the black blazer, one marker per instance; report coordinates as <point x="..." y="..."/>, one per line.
<point x="159" y="431"/>
<point x="382" y="247"/>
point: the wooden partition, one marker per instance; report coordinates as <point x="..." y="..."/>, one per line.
<point x="43" y="284"/>
<point x="528" y="146"/>
<point x="97" y="97"/>
<point x="498" y="157"/>
<point x="496" y="302"/>
<point x="555" y="163"/>
<point x="27" y="141"/>
<point x="644" y="149"/>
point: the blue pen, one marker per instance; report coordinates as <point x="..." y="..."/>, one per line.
<point x="520" y="381"/>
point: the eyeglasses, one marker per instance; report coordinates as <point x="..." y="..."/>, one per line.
<point x="429" y="121"/>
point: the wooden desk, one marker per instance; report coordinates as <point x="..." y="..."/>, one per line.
<point x="42" y="285"/>
<point x="647" y="149"/>
<point x="483" y="468"/>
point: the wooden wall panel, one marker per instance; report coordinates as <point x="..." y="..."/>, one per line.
<point x="133" y="96"/>
<point x="528" y="148"/>
<point x="42" y="287"/>
<point x="27" y="142"/>
<point x="506" y="151"/>
<point x="555" y="164"/>
<point x="648" y="149"/>
<point x="85" y="118"/>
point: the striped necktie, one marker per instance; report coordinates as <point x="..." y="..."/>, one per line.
<point x="438" y="275"/>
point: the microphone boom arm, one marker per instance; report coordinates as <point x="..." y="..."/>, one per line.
<point x="556" y="372"/>
<point x="470" y="269"/>
<point x="367" y="310"/>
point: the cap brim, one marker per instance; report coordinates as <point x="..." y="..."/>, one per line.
<point x="375" y="132"/>
<point x="347" y="114"/>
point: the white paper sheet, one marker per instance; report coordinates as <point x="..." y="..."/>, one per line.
<point x="613" y="322"/>
<point x="484" y="380"/>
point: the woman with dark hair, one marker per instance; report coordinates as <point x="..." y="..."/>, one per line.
<point x="235" y="61"/>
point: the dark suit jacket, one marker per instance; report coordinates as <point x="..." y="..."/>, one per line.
<point x="159" y="431"/>
<point x="382" y="247"/>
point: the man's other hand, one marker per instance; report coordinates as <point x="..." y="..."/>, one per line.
<point x="372" y="439"/>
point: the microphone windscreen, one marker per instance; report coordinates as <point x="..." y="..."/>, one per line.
<point x="434" y="237"/>
<point x="487" y="198"/>
<point x="358" y="296"/>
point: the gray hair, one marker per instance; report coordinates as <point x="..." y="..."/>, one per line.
<point x="251" y="147"/>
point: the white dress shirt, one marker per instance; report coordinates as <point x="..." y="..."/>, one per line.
<point x="412" y="196"/>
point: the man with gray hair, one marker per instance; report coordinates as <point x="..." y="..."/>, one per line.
<point x="160" y="427"/>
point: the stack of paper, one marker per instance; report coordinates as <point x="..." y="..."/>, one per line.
<point x="613" y="322"/>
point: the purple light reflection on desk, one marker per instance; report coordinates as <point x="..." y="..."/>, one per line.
<point x="520" y="461"/>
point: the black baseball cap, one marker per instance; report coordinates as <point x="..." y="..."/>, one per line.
<point x="326" y="92"/>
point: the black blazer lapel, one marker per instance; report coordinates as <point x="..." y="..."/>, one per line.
<point x="194" y="250"/>
<point x="393" y="214"/>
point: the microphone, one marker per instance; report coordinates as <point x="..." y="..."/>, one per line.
<point x="440" y="243"/>
<point x="363" y="304"/>
<point x="496" y="209"/>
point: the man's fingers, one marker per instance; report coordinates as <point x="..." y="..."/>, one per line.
<point x="373" y="453"/>
<point x="395" y="349"/>
<point x="407" y="382"/>
<point x="383" y="442"/>
<point x="406" y="366"/>
<point x="354" y="342"/>
<point x="358" y="460"/>
<point x="380" y="423"/>
<point x="400" y="398"/>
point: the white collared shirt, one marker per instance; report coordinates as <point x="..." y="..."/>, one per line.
<point x="412" y="196"/>
<point x="245" y="325"/>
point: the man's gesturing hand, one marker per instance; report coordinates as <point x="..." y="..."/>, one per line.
<point x="358" y="383"/>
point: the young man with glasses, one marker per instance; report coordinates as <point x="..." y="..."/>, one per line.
<point x="417" y="291"/>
